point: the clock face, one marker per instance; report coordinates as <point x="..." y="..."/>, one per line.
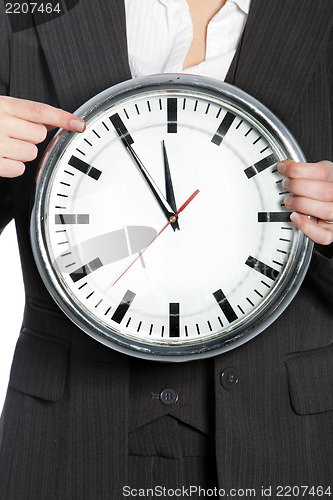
<point x="161" y="230"/>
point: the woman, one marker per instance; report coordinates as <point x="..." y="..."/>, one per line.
<point x="79" y="420"/>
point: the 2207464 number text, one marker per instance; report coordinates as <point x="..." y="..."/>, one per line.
<point x="31" y="7"/>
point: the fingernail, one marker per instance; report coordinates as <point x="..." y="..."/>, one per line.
<point x="282" y="167"/>
<point x="285" y="183"/>
<point x="77" y="125"/>
<point x="295" y="217"/>
<point x="288" y="201"/>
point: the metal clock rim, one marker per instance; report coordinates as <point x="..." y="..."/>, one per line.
<point x="248" y="105"/>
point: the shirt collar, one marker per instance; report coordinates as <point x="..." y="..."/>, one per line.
<point x="244" y="5"/>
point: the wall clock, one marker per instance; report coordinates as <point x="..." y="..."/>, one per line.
<point x="161" y="230"/>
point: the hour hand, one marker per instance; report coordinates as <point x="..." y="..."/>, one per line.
<point x="170" y="195"/>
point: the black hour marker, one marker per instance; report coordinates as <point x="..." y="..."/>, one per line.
<point x="241" y="310"/>
<point x="250" y="301"/>
<point x="225" y="306"/>
<point x="123" y="307"/>
<point x="274" y="216"/>
<point x="172" y="115"/>
<point x="121" y="129"/>
<point x="260" y="166"/>
<point x="223" y="128"/>
<point x="84" y="167"/>
<point x="174" y="329"/>
<point x="71" y="219"/>
<point x="86" y="269"/>
<point x="262" y="268"/>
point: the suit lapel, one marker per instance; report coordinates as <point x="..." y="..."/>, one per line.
<point x="86" y="50"/>
<point x="279" y="50"/>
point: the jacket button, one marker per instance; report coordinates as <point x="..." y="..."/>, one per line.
<point x="229" y="377"/>
<point x="168" y="397"/>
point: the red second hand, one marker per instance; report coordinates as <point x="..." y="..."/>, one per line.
<point x="172" y="219"/>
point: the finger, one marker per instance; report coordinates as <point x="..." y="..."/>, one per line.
<point x="11" y="168"/>
<point x="317" y="190"/>
<point x="308" y="206"/>
<point x="321" y="233"/>
<point x="16" y="128"/>
<point x="321" y="171"/>
<point x="15" y="149"/>
<point x="38" y="112"/>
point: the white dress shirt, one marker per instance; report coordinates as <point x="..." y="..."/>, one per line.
<point x="160" y="32"/>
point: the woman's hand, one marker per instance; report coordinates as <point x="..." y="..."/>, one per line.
<point x="311" y="193"/>
<point x="23" y="124"/>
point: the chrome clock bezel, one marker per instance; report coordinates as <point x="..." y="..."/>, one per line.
<point x="281" y="141"/>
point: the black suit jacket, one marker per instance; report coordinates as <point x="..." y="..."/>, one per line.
<point x="74" y="407"/>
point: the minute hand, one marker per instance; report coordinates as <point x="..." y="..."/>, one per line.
<point x="164" y="205"/>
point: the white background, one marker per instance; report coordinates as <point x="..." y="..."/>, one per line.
<point x="11" y="303"/>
